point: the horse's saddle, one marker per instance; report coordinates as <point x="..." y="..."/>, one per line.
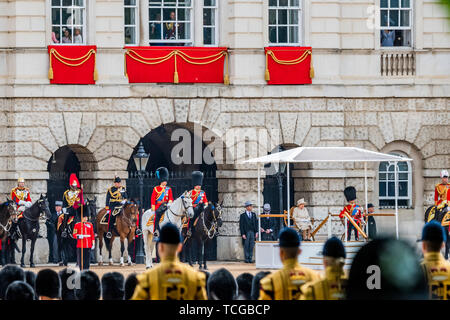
<point x="115" y="212"/>
<point x="152" y="217"/>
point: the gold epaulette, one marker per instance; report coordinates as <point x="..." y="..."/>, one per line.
<point x="266" y="283"/>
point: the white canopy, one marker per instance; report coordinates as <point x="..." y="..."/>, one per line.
<point x="327" y="154"/>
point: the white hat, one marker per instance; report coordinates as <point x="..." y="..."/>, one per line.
<point x="444" y="173"/>
<point x="300" y="201"/>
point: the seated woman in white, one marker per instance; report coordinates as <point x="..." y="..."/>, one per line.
<point x="302" y="219"/>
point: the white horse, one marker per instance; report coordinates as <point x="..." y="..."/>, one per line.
<point x="174" y="214"/>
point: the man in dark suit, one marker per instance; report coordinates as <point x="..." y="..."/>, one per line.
<point x="248" y="225"/>
<point x="267" y="226"/>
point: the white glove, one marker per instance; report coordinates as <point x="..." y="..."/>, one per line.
<point x="28" y="204"/>
<point x="65" y="210"/>
<point x="22" y="203"/>
<point x="93" y="245"/>
<point x="124" y="201"/>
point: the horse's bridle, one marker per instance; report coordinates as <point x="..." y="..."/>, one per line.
<point x="178" y="215"/>
<point x="40" y="201"/>
<point x="8" y="224"/>
<point x="214" y="224"/>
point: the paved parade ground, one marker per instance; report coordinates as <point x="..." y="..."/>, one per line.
<point x="236" y="268"/>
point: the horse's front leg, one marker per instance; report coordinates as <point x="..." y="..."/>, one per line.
<point x="100" y="247"/>
<point x="122" y="249"/>
<point x="205" y="246"/>
<point x="33" y="242"/>
<point x="24" y="249"/>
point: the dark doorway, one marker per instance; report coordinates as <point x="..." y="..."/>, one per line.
<point x="158" y="143"/>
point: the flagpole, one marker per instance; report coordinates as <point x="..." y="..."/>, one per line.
<point x="82" y="229"/>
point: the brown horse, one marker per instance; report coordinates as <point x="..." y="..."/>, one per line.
<point x="125" y="228"/>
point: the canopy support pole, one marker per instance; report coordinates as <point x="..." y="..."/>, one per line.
<point x="365" y="194"/>
<point x="396" y="197"/>
<point x="259" y="203"/>
<point x="288" y="193"/>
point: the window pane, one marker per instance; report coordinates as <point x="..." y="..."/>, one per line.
<point x="293" y="16"/>
<point x="78" y="35"/>
<point x="382" y="176"/>
<point x="67" y="3"/>
<point x="283" y="3"/>
<point x="130" y="2"/>
<point x="169" y="14"/>
<point x="183" y="15"/>
<point x="382" y="186"/>
<point x="272" y="16"/>
<point x="208" y="36"/>
<point x="209" y="3"/>
<point x="402" y="38"/>
<point x="130" y="35"/>
<point x="67" y="35"/>
<point x="272" y="3"/>
<point x="282" y="34"/>
<point x="170" y="2"/>
<point x="293" y="34"/>
<point x="391" y="177"/>
<point x="273" y="34"/>
<point x="78" y="3"/>
<point x="391" y="168"/>
<point x="155" y="14"/>
<point x="403" y="189"/>
<point x="393" y="18"/>
<point x="394" y="3"/>
<point x="405" y="4"/>
<point x="391" y="189"/>
<point x="402" y="166"/>
<point x="282" y="16"/>
<point x="155" y="31"/>
<point x="56" y="16"/>
<point x="155" y="3"/>
<point x="384" y="3"/>
<point x="66" y="16"/>
<point x="404" y="18"/>
<point x="403" y="176"/>
<point x="383" y="166"/>
<point x="130" y="17"/>
<point x="294" y="3"/>
<point x="78" y="16"/>
<point x="384" y="18"/>
<point x="208" y="17"/>
<point x="185" y="3"/>
<point x="56" y="2"/>
<point x="56" y="34"/>
<point x="184" y="31"/>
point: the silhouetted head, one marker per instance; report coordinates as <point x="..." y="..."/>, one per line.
<point x="19" y="291"/>
<point x="89" y="288"/>
<point x="221" y="285"/>
<point x="244" y="282"/>
<point x="8" y="275"/>
<point x="256" y="284"/>
<point x="48" y="284"/>
<point x="113" y="286"/>
<point x="69" y="280"/>
<point x="130" y="286"/>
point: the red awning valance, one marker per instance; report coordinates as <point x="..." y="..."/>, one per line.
<point x="72" y="64"/>
<point x="176" y="65"/>
<point x="289" y="65"/>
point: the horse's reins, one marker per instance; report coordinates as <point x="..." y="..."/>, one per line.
<point x="213" y="224"/>
<point x="40" y="212"/>
<point x="177" y="215"/>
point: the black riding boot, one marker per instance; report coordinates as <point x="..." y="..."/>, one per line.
<point x="110" y="225"/>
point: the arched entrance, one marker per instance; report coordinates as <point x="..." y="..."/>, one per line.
<point x="158" y="143"/>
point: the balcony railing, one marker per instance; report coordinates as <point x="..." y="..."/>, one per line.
<point x="395" y="64"/>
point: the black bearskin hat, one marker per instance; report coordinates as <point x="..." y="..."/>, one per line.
<point x="113" y="286"/>
<point x="350" y="193"/>
<point x="162" y="174"/>
<point x="221" y="285"/>
<point x="48" y="284"/>
<point x="334" y="248"/>
<point x="90" y="288"/>
<point x="197" y="178"/>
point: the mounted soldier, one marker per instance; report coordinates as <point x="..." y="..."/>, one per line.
<point x="353" y="209"/>
<point x="73" y="198"/>
<point x="21" y="197"/>
<point x="198" y="196"/>
<point x="161" y="194"/>
<point x="441" y="191"/>
<point x="116" y="197"/>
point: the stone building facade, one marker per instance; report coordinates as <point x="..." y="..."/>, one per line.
<point x="350" y="103"/>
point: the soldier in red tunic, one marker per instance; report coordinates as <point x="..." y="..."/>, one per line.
<point x="354" y="210"/>
<point x="21" y="196"/>
<point x="161" y="194"/>
<point x="84" y="233"/>
<point x="441" y="191"/>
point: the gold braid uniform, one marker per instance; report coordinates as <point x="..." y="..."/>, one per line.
<point x="437" y="272"/>
<point x="171" y="280"/>
<point x="287" y="283"/>
<point x="332" y="287"/>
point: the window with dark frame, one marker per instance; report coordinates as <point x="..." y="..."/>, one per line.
<point x="210" y="30"/>
<point x="130" y="22"/>
<point x="386" y="182"/>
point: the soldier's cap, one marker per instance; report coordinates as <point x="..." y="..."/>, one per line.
<point x="266" y="207"/>
<point x="169" y="234"/>
<point x="48" y="284"/>
<point x="58" y="203"/>
<point x="117" y="179"/>
<point x="370" y="205"/>
<point x="433" y="232"/>
<point x="289" y="238"/>
<point x="248" y="203"/>
<point x="334" y="248"/>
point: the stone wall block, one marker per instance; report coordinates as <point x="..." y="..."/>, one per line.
<point x="399" y="121"/>
<point x="313" y="137"/>
<point x="196" y="110"/>
<point x="87" y="127"/>
<point x="181" y="110"/>
<point x="211" y="113"/>
<point x="139" y="124"/>
<point x="386" y="127"/>
<point x="57" y="127"/>
<point x="165" y="107"/>
<point x="72" y="122"/>
<point x="97" y="140"/>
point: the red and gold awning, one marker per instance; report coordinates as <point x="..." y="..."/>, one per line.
<point x="176" y="65"/>
<point x="289" y="65"/>
<point x="72" y="64"/>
